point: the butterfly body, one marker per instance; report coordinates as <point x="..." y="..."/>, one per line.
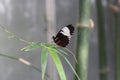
<point x="63" y="36"/>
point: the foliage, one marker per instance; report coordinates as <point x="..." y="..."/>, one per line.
<point x="51" y="49"/>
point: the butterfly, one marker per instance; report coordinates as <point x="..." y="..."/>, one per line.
<point x="63" y="36"/>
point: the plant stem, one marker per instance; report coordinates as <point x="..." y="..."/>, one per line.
<point x="14" y="36"/>
<point x="101" y="41"/>
<point x="82" y="53"/>
<point x="17" y="59"/>
<point x="117" y="46"/>
<point x="83" y="32"/>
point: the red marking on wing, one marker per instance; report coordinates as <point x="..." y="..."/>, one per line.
<point x="58" y="42"/>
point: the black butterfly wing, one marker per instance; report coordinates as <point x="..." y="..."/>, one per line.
<point x="61" y="39"/>
<point x="71" y="28"/>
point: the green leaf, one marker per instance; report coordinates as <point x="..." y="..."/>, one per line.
<point x="33" y="45"/>
<point x="44" y="56"/>
<point x="58" y="50"/>
<point x="72" y="68"/>
<point x="49" y="45"/>
<point x="69" y="64"/>
<point x="58" y="63"/>
<point x="67" y="50"/>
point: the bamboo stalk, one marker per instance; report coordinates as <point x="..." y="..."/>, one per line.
<point x="115" y="11"/>
<point x="117" y="46"/>
<point x="101" y="41"/>
<point x="83" y="31"/>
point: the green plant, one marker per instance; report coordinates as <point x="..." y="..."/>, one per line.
<point x="83" y="31"/>
<point x="52" y="49"/>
